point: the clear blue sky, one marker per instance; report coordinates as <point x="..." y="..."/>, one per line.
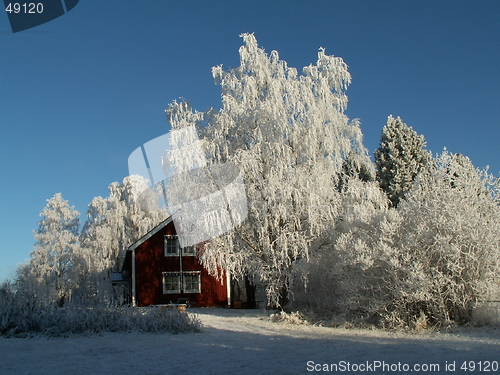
<point x="80" y="93"/>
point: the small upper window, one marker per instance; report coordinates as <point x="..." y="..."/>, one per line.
<point x="189" y="250"/>
<point x="171" y="245"/>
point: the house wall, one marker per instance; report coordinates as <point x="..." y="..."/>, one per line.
<point x="151" y="262"/>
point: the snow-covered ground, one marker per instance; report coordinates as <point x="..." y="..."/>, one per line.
<point x="247" y="342"/>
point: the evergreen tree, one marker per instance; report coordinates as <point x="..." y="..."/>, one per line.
<point x="358" y="166"/>
<point x="400" y="157"/>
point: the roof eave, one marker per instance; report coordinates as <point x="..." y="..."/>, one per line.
<point x="150" y="234"/>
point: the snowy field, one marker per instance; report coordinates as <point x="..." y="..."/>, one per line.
<point x="247" y="342"/>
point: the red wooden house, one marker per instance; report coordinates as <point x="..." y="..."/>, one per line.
<point x="160" y="272"/>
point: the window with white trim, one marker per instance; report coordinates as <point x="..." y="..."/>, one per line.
<point x="191" y="282"/>
<point x="171" y="245"/>
<point x="171" y="282"/>
<point x="189" y="250"/>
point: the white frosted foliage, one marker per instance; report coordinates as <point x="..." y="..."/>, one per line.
<point x="428" y="262"/>
<point x="205" y="202"/>
<point x="52" y="270"/>
<point x="400" y="158"/>
<point x="288" y="135"/>
<point x="113" y="224"/>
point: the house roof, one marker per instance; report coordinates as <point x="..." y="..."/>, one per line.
<point x="150" y="234"/>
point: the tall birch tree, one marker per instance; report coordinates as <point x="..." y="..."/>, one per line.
<point x="288" y="134"/>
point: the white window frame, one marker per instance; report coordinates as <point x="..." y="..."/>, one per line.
<point x="168" y="246"/>
<point x="181" y="278"/>
<point x="184" y="284"/>
<point x="171" y="274"/>
<point x="189" y="251"/>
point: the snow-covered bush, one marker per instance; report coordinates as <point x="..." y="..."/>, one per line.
<point x="294" y="317"/>
<point x="348" y="274"/>
<point x="21" y="317"/>
<point x="430" y="261"/>
<point x="449" y="242"/>
<point x="486" y="313"/>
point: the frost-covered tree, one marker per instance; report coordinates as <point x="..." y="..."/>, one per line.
<point x="400" y="157"/>
<point x="430" y="261"/>
<point x="51" y="270"/>
<point x="288" y="135"/>
<point x="356" y="165"/>
<point x="350" y="273"/>
<point x="450" y="233"/>
<point x="112" y="225"/>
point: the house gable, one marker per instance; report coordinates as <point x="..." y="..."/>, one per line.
<point x="151" y="233"/>
<point x="160" y="278"/>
